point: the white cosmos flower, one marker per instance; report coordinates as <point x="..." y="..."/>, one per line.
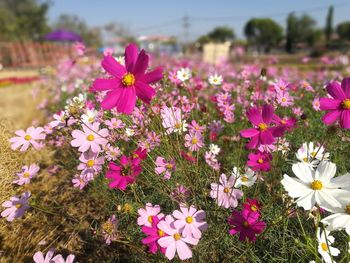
<point x="184" y="74"/>
<point x="315" y="186"/>
<point x="89" y="116"/>
<point x="214" y="149"/>
<point x="246" y="179"/>
<point x="215" y="80"/>
<point x="324" y="246"/>
<point x="312" y="155"/>
<point x="129" y="132"/>
<point x="341" y="217"/>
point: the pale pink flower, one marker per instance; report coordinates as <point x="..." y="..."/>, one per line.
<point x="172" y="120"/>
<point x="194" y="141"/>
<point x="27" y="138"/>
<point x="165" y="167"/>
<point x="225" y="193"/>
<point x="90" y="138"/>
<point x="90" y="162"/>
<point x="27" y="174"/>
<point x="109" y="229"/>
<point x="81" y="180"/>
<point x="16" y="207"/>
<point x="146" y="214"/>
<point x="114" y="124"/>
<point x="190" y="221"/>
<point x="175" y="242"/>
<point x="316" y="104"/>
<point x="49" y="258"/>
<point x="284" y="99"/>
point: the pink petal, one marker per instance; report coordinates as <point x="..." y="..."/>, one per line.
<point x="267" y="113"/>
<point x="335" y="90"/>
<point x="329" y="104"/>
<point x="331" y="117"/>
<point x="345" y="119"/>
<point x="105" y="84"/>
<point x="113" y="67"/>
<point x="127" y="101"/>
<point x="130" y="56"/>
<point x="144" y="92"/>
<point x="345" y="85"/>
<point x="141" y="63"/>
<point x="254" y="116"/>
<point x="153" y="76"/>
<point x="111" y="99"/>
<point x="248" y="133"/>
<point x="183" y="250"/>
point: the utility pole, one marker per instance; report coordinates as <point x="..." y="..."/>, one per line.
<point x="185" y="27"/>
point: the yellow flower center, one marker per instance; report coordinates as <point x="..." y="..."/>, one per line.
<point x="347" y="209"/>
<point x="245" y="224"/>
<point x="149" y="219"/>
<point x="305" y="159"/>
<point x="260" y="161"/>
<point x="128" y="79"/>
<point x="189" y="219"/>
<point x="346" y="104"/>
<point x="283" y="99"/>
<point x="194" y="141"/>
<point x="324" y="246"/>
<point x="90" y="137"/>
<point x="283" y="122"/>
<point x="90" y="163"/>
<point x="177" y="236"/>
<point x="18" y="206"/>
<point x="316" y="185"/>
<point x="26" y="175"/>
<point x="313" y="154"/>
<point x="161" y="233"/>
<point x="226" y="190"/>
<point x="253" y="208"/>
<point x="262" y="126"/>
<point x="169" y="166"/>
<point x="244" y="178"/>
<point x="178" y="125"/>
<point x="27" y="137"/>
<point x="108" y="227"/>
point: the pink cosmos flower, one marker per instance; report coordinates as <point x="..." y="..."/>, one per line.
<point x="16" y="207"/>
<point x="284" y="99"/>
<point x="124" y="174"/>
<point x="259" y="161"/>
<point x="90" y="138"/>
<point x="49" y="258"/>
<point x="109" y="229"/>
<point x="194" y="141"/>
<point x="153" y="235"/>
<point x="316" y="104"/>
<point x="81" y="180"/>
<point x="175" y="242"/>
<point x="27" y="174"/>
<point x="247" y="224"/>
<point x="27" y="138"/>
<point x="190" y="221"/>
<point x="172" y="120"/>
<point x="90" y="162"/>
<point x="252" y="205"/>
<point x="114" y="124"/>
<point x="146" y="214"/>
<point x="262" y="133"/>
<point x="165" y="167"/>
<point x="225" y="193"/>
<point x="284" y="123"/>
<point x="127" y="82"/>
<point x="338" y="106"/>
<point x="195" y="127"/>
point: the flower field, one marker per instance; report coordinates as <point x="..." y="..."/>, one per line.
<point x="154" y="159"/>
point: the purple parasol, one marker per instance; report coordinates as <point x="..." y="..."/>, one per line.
<point x="63" y="35"/>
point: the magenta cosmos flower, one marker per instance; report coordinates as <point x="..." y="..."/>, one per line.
<point x="263" y="132"/>
<point x="91" y="137"/>
<point x="338" y="106"/>
<point x="259" y="161"/>
<point x="190" y="221"/>
<point x="153" y="235"/>
<point x="146" y="214"/>
<point x="127" y="82"/>
<point x="27" y="174"/>
<point x="16" y="207"/>
<point x="27" y="138"/>
<point x="247" y="224"/>
<point x="174" y="242"/>
<point x="124" y="174"/>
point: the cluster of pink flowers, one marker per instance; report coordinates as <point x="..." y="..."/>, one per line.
<point x="173" y="233"/>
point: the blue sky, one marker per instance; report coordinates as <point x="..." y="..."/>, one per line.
<point x="165" y="17"/>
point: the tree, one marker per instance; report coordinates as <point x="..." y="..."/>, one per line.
<point x="221" y="34"/>
<point x="91" y="36"/>
<point x="23" y="19"/>
<point x="301" y="30"/>
<point x="329" y="25"/>
<point x="343" y="30"/>
<point x="263" y="32"/>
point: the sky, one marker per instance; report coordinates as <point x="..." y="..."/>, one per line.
<point x="166" y="17"/>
